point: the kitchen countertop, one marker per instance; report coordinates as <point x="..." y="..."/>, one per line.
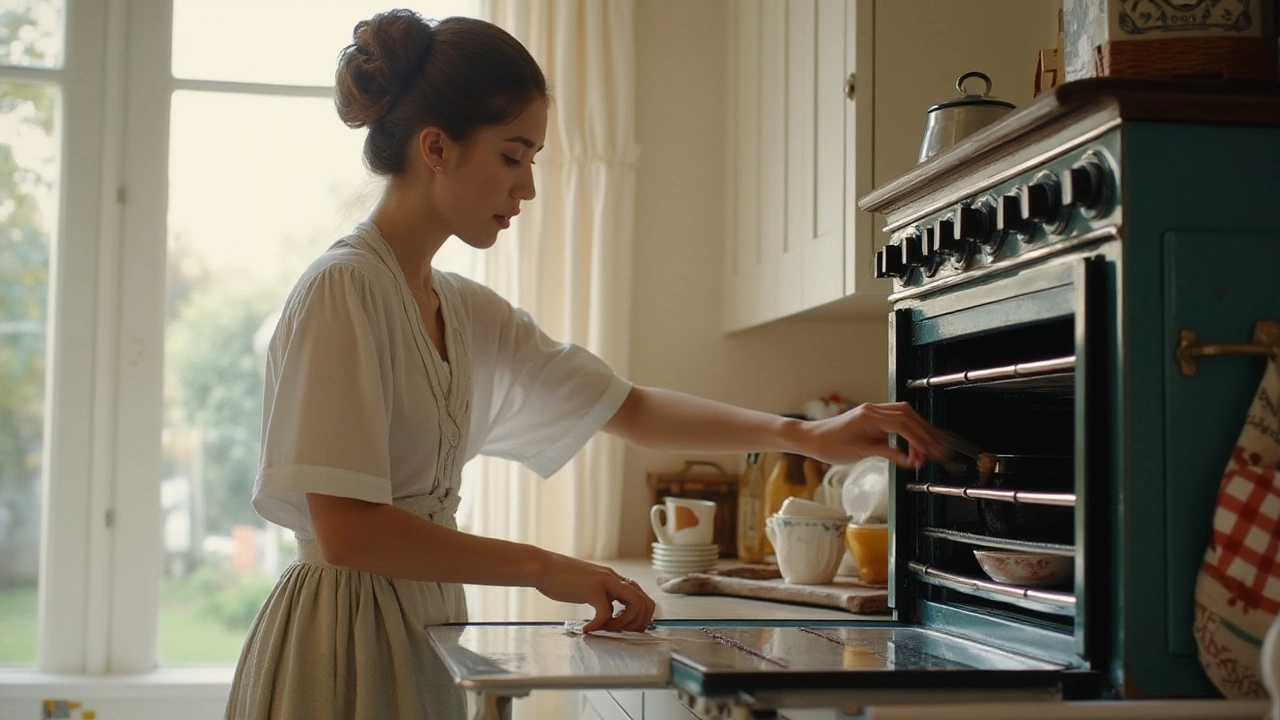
<point x="489" y="604"/>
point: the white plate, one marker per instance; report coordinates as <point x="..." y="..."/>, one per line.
<point x="686" y="549"/>
<point x="712" y="550"/>
<point x="682" y="568"/>
<point x="698" y="559"/>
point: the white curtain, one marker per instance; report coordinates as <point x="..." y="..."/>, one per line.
<point x="567" y="260"/>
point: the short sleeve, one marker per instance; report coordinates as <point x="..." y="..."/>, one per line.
<point x="327" y="405"/>
<point x="550" y="397"/>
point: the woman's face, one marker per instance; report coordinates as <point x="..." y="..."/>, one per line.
<point x="484" y="182"/>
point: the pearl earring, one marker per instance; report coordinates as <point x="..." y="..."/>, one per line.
<point x="439" y="168"/>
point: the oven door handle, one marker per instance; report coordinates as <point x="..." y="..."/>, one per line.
<point x="1266" y="342"/>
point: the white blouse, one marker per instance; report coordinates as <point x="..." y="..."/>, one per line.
<point x="359" y="404"/>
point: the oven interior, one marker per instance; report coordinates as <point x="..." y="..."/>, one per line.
<point x="1010" y="392"/>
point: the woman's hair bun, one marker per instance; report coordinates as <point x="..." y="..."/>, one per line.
<point x="385" y="57"/>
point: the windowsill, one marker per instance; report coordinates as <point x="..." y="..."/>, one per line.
<point x="190" y="683"/>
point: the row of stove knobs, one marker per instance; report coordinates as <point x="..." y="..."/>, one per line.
<point x="983" y="225"/>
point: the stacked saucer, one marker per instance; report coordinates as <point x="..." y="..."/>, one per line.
<point x="684" y="559"/>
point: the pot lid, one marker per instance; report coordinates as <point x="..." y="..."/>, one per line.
<point x="969" y="99"/>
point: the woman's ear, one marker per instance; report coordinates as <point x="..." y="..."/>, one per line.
<point x="431" y="147"/>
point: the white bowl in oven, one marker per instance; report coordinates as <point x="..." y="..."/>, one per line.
<point x="1026" y="568"/>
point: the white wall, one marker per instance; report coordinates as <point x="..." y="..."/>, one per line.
<point x="677" y="341"/>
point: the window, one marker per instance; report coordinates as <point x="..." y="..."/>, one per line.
<point x="262" y="177"/>
<point x="31" y="53"/>
<point x="251" y="204"/>
<point x="204" y="168"/>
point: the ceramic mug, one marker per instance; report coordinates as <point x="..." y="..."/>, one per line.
<point x="809" y="549"/>
<point x="683" y="521"/>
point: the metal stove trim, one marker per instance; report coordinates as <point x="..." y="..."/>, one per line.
<point x="974" y="189"/>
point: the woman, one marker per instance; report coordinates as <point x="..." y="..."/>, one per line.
<point x="385" y="376"/>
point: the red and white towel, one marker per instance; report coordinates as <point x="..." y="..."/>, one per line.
<point x="1238" y="588"/>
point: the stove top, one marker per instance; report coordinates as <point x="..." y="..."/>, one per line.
<point x="1020" y="210"/>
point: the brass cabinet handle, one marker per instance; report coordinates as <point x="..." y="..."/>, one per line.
<point x="850" y="86"/>
<point x="1266" y="341"/>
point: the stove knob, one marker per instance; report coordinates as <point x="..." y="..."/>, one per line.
<point x="974" y="223"/>
<point x="926" y="244"/>
<point x="912" y="253"/>
<point x="930" y="259"/>
<point x="889" y="262"/>
<point x="1040" y="201"/>
<point x="1085" y="186"/>
<point x="1009" y="214"/>
<point x="945" y="240"/>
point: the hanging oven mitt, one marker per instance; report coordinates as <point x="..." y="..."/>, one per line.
<point x="1238" y="588"/>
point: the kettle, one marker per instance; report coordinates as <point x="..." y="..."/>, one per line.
<point x="954" y="120"/>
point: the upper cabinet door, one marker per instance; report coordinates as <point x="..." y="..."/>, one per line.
<point x="860" y="152"/>
<point x="823" y="209"/>
<point x="744" y="302"/>
<point x="786" y="249"/>
<point x="801" y="63"/>
<point x="782" y="262"/>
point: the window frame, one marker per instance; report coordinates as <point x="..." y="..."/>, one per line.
<point x="134" y="617"/>
<point x="72" y="489"/>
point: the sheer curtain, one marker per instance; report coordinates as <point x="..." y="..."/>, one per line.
<point x="566" y="260"/>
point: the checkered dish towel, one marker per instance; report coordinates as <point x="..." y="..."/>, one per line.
<point x="1238" y="588"/>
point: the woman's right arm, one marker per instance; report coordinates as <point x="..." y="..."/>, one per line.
<point x="385" y="540"/>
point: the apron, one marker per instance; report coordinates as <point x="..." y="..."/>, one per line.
<point x="331" y="642"/>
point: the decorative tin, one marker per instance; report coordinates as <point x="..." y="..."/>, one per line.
<point x="1186" y="17"/>
<point x="1169" y="38"/>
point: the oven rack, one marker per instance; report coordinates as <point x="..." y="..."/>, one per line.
<point x="1054" y="374"/>
<point x="1026" y="497"/>
<point x="1000" y="543"/>
<point x="1046" y="601"/>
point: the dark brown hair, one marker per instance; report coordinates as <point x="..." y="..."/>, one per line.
<point x="402" y="73"/>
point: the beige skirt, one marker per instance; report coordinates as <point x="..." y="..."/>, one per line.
<point x="330" y="642"/>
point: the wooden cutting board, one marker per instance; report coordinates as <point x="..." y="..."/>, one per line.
<point x="767" y="584"/>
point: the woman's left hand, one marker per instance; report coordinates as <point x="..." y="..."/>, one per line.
<point x="865" y="431"/>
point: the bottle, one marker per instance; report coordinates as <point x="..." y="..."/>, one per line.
<point x="751" y="536"/>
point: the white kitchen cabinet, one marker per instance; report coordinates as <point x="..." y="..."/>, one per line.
<point x="827" y="100"/>
<point x="787" y="157"/>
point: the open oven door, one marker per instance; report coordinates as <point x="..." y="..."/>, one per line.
<point x="755" y="664"/>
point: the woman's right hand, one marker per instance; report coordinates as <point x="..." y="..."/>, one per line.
<point x="570" y="580"/>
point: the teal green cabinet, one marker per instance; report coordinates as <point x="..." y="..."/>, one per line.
<point x="1201" y="251"/>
